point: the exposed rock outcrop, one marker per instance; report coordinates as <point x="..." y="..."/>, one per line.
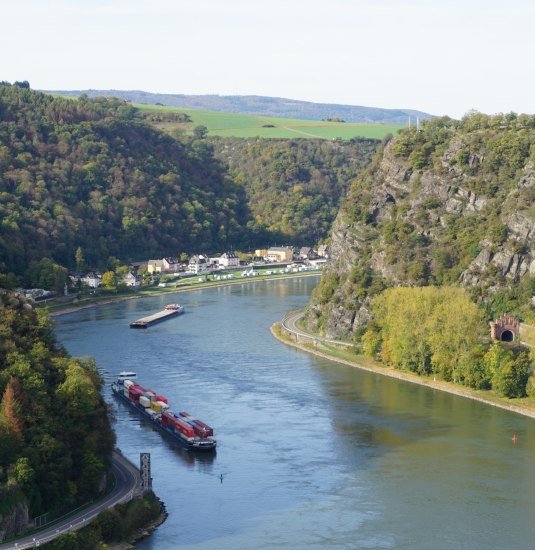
<point x="451" y="204"/>
<point x="14" y="522"/>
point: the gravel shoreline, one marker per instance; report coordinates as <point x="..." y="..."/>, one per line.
<point x="440" y="385"/>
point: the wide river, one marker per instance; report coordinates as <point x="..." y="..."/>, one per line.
<point x="311" y="453"/>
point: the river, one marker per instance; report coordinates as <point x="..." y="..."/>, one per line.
<point x="311" y="453"/>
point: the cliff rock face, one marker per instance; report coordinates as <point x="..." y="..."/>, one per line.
<point x="449" y="204"/>
<point x="15" y="522"/>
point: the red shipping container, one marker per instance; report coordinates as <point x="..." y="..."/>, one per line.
<point x="162" y="399"/>
<point x="202" y="424"/>
<point x="184" y="428"/>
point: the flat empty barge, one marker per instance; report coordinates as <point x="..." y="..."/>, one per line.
<point x="172" y="310"/>
<point x="190" y="432"/>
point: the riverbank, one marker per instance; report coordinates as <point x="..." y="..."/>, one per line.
<point x="71" y="308"/>
<point x="143" y="532"/>
<point x="366" y="363"/>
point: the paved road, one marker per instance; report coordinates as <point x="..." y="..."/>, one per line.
<point x="128" y="481"/>
<point x="290" y="324"/>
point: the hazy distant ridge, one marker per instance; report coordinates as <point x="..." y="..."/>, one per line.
<point x="261" y="105"/>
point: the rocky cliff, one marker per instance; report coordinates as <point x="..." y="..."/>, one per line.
<point x="14" y="522"/>
<point x="451" y="203"/>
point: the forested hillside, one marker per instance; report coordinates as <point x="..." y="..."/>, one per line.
<point x="451" y="203"/>
<point x="88" y="174"/>
<point x="55" y="436"/>
<point x="93" y="175"/>
<point x="293" y="187"/>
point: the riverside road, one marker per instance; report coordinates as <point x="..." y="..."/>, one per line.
<point x="290" y="323"/>
<point x="127" y="481"/>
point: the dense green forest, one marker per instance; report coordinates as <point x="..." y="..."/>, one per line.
<point x="293" y="187"/>
<point x="94" y="175"/>
<point x="88" y="174"/>
<point x="55" y="436"/>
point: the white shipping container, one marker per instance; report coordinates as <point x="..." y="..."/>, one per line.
<point x="128" y="383"/>
<point x="144" y="401"/>
<point x="164" y="406"/>
<point x="126" y="392"/>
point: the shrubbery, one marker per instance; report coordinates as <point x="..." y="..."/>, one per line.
<point x="114" y="525"/>
<point x="439" y="332"/>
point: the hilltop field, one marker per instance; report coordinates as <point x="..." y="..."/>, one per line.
<point x="245" y="126"/>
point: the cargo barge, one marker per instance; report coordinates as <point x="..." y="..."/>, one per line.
<point x="189" y="431"/>
<point x="171" y="310"/>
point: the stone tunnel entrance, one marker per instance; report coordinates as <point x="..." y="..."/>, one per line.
<point x="507" y="336"/>
<point x="506" y="329"/>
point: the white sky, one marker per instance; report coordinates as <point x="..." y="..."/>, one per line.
<point x="441" y="56"/>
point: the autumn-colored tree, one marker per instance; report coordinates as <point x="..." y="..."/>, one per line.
<point x="429" y="330"/>
<point x="9" y="415"/>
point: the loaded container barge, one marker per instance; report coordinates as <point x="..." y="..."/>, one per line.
<point x="189" y="431"/>
<point x="171" y="310"/>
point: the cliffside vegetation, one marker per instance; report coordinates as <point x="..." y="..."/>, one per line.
<point x="450" y="204"/>
<point x="293" y="187"/>
<point x="55" y="437"/>
<point x="93" y="175"/>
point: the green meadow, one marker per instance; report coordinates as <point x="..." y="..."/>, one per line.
<point x="235" y="125"/>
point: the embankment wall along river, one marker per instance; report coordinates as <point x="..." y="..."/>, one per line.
<point x="312" y="453"/>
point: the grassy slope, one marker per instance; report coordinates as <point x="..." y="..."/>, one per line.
<point x="224" y="124"/>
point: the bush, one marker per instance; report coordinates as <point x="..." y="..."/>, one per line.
<point x="510" y="370"/>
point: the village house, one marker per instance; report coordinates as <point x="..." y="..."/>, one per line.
<point x="92" y="280"/>
<point x="307" y="253"/>
<point x="228" y="259"/>
<point x="280" y="254"/>
<point x="131" y="280"/>
<point x="165" y="265"/>
<point x="261" y="253"/>
<point x="137" y="266"/>
<point x="199" y="265"/>
<point x="323" y="251"/>
<point x="155" y="266"/>
<point x="170" y="265"/>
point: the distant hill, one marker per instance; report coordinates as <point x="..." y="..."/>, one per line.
<point x="260" y="105"/>
<point x="178" y="119"/>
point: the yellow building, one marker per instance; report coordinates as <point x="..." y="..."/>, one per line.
<point x="280" y="254"/>
<point x="261" y="253"/>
